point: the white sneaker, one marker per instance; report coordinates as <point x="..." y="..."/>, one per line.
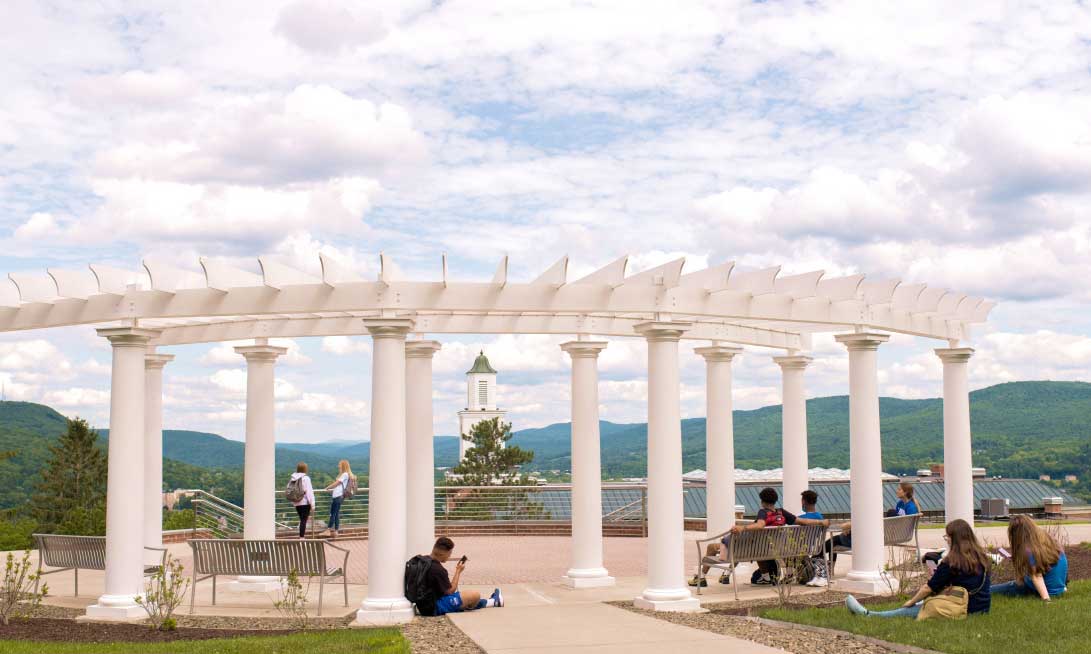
<point x="818" y="582"/>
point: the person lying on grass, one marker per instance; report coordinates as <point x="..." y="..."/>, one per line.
<point x="966" y="565"/>
<point x="1041" y="566"/>
<point x="768" y="516"/>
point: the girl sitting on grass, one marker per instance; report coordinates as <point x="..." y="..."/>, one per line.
<point x="1040" y="565"/>
<point x="966" y="565"/>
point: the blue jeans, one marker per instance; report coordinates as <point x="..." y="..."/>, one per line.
<point x="1012" y="589"/>
<point x="335" y="513"/>
<point x="900" y="612"/>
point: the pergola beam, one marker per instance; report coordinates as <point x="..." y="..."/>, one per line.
<point x="467" y="324"/>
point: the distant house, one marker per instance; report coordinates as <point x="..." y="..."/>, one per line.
<point x="1072" y="479"/>
<point x="1044" y="478"/>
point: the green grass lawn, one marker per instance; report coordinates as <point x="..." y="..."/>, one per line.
<point x="372" y="641"/>
<point x="1023" y="623"/>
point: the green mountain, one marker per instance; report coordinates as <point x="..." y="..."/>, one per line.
<point x="1020" y="429"/>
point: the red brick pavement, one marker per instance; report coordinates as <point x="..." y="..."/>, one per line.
<point x="519" y="559"/>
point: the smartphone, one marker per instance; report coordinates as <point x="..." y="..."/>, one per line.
<point x="463" y="559"/>
<point x="1005" y="553"/>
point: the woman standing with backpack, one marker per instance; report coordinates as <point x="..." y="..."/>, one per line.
<point x="340" y="489"/>
<point x="301" y="494"/>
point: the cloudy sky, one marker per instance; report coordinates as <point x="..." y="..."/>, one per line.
<point x="937" y="142"/>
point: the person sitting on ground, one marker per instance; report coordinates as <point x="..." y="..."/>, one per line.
<point x="451" y="599"/>
<point x="966" y="566"/>
<point x="768" y="516"/>
<point x="809" y="500"/>
<point x="905" y="505"/>
<point x="1041" y="566"/>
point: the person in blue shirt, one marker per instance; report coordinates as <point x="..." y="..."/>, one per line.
<point x="1041" y="566"/>
<point x="966" y="565"/>
<point x="906" y="505"/>
<point x="809" y="501"/>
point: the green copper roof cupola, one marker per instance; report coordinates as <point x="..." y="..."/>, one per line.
<point x="481" y="365"/>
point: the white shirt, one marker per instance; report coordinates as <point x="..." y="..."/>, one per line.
<point x="308" y="498"/>
<point x="342" y="483"/>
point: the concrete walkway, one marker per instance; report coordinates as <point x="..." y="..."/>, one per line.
<point x="589" y="627"/>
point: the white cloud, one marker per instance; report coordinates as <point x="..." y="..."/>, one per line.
<point x="326" y="27"/>
<point x="78" y="397"/>
<point x="224" y="354"/>
<point x="342" y="345"/>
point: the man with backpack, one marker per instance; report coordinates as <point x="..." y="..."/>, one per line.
<point x="770" y="516"/>
<point x="433" y="592"/>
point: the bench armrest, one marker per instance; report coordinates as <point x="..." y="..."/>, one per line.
<point x="709" y="539"/>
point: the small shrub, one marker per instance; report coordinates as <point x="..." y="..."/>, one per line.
<point x="902" y="571"/>
<point x="18" y="597"/>
<point x="163" y="594"/>
<point x="292" y="601"/>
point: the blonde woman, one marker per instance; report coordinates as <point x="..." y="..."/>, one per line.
<point x="1041" y="568"/>
<point x="337" y="495"/>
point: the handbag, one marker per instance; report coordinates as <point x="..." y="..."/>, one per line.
<point x="951" y="604"/>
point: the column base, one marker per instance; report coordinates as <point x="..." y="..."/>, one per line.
<point x="599" y="578"/>
<point x="679" y="600"/>
<point x="114" y="608"/>
<point x="255" y="585"/>
<point x="866" y="583"/>
<point x="382" y="613"/>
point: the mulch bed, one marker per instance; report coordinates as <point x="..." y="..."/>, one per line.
<point x="438" y="636"/>
<point x="69" y="631"/>
<point x="1079" y="561"/>
<point x="57" y="624"/>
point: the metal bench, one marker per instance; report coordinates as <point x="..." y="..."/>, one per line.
<point x="79" y="552"/>
<point x="769" y="543"/>
<point x="265" y="558"/>
<point x="898" y="531"/>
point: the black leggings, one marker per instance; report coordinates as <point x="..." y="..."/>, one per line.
<point x="840" y="540"/>
<point x="304" y="511"/>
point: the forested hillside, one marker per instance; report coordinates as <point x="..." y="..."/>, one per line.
<point x="1020" y="429"/>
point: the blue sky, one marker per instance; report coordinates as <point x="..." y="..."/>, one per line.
<point x="930" y="142"/>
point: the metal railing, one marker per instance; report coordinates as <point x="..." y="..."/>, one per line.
<point x="483" y="506"/>
<point x="477" y="509"/>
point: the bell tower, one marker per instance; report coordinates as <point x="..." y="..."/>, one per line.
<point x="480" y="399"/>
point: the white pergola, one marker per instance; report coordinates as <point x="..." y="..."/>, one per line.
<point x="162" y="306"/>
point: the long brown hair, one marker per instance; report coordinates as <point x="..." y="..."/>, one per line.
<point x="1028" y="540"/>
<point x="907" y="489"/>
<point x="965" y="553"/>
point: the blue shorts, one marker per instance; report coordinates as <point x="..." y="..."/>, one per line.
<point x="449" y="603"/>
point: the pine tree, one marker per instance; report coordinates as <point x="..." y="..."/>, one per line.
<point x="71" y="496"/>
<point x="490" y="462"/>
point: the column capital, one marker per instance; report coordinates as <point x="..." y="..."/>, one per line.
<point x="954" y="354"/>
<point x="661" y="330"/>
<point x="793" y="362"/>
<point x="422" y="349"/>
<point x="154" y="361"/>
<point x="260" y="352"/>
<point x="862" y="341"/>
<point x="128" y="336"/>
<point x="388" y="327"/>
<point x="584" y="349"/>
<point x="718" y="352"/>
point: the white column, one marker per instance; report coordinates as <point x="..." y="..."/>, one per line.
<point x="124" y="578"/>
<point x="259" y="464"/>
<point x="866" y="463"/>
<point x="719" y="438"/>
<point x="666" y="590"/>
<point x="420" y="457"/>
<point x="153" y="451"/>
<point x="793" y="430"/>
<point x="385" y="603"/>
<point x="958" y="477"/>
<point x="587" y="569"/>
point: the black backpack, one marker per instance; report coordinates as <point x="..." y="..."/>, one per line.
<point x="417" y="589"/>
